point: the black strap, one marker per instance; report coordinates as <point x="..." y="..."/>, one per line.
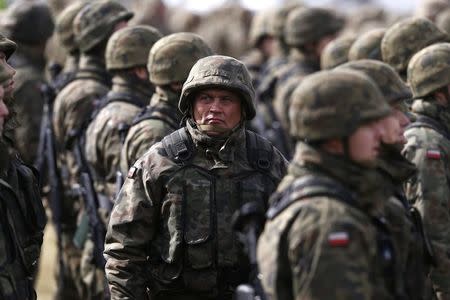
<point x="125" y="97"/>
<point x="166" y="115"/>
<point x="259" y="151"/>
<point x="178" y="145"/>
<point x="424" y="121"/>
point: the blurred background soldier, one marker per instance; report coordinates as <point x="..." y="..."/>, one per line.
<point x="93" y="25"/>
<point x="431" y="8"/>
<point x="30" y="24"/>
<point x="443" y="20"/>
<point x="336" y="52"/>
<point x="172" y="217"/>
<point x="428" y="147"/>
<point x="321" y="239"/>
<point x="367" y="45"/>
<point x="169" y="63"/>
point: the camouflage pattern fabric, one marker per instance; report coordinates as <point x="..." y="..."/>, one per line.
<point x="367" y="46"/>
<point x="319" y="247"/>
<point x="429" y="190"/>
<point x="182" y="255"/>
<point x="335" y="52"/>
<point x="144" y="134"/>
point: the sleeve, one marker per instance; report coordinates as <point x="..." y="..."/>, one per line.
<point x="429" y="191"/>
<point x="332" y="261"/>
<point x="130" y="230"/>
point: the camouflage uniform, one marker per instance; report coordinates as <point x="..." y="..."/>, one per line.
<point x="30" y="24"/>
<point x="407" y="37"/>
<point x="72" y="109"/>
<point x="190" y="252"/>
<point x="367" y="46"/>
<point x="126" y="49"/>
<point x="321" y="240"/>
<point x="161" y="117"/>
<point x="428" y="147"/>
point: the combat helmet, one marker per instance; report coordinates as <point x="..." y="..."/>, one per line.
<point x="430" y="9"/>
<point x="261" y="27"/>
<point x="222" y="72"/>
<point x="129" y="47"/>
<point x="333" y="104"/>
<point x="443" y="21"/>
<point x="393" y="88"/>
<point x="7" y="46"/>
<point x="402" y="40"/>
<point x="429" y="70"/>
<point x="96" y="21"/>
<point x="27" y="22"/>
<point x="64" y="25"/>
<point x="306" y="25"/>
<point x="335" y="52"/>
<point x="367" y="45"/>
<point x="172" y="57"/>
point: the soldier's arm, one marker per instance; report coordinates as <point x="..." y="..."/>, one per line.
<point x="330" y="261"/>
<point x="429" y="191"/>
<point x="130" y="230"/>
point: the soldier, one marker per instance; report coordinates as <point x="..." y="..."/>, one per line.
<point x="23" y="215"/>
<point x="307" y="31"/>
<point x="126" y="58"/>
<point x="172" y="217"/>
<point x="430" y="9"/>
<point x="323" y="238"/>
<point x="367" y="46"/>
<point x="404" y="223"/>
<point x="73" y="106"/>
<point x="428" y="147"/>
<point x="169" y="63"/>
<point x="405" y="38"/>
<point x="30" y="24"/>
<point x="336" y="52"/>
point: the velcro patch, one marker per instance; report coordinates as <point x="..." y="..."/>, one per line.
<point x="132" y="172"/>
<point x="338" y="239"/>
<point x="433" y="154"/>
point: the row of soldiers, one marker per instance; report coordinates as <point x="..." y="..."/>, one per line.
<point x="157" y="189"/>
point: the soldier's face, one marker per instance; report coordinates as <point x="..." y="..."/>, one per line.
<point x="218" y="107"/>
<point x="364" y="143"/>
<point x="395" y="125"/>
<point x="9" y="86"/>
<point x="4" y="112"/>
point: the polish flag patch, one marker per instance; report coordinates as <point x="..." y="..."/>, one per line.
<point x="433" y="154"/>
<point x="338" y="239"/>
<point x="132" y="172"/>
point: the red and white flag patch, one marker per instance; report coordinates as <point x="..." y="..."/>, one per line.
<point x="338" y="239"/>
<point x="132" y="172"/>
<point x="433" y="154"/>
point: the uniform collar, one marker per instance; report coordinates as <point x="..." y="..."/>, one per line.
<point x="432" y="110"/>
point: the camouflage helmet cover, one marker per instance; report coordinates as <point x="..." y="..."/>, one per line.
<point x="129" y="47"/>
<point x="333" y="104"/>
<point x="443" y="21"/>
<point x="306" y="25"/>
<point x="367" y="46"/>
<point x="430" y="9"/>
<point x="64" y="25"/>
<point x="336" y="52"/>
<point x="402" y="40"/>
<point x="429" y="69"/>
<point x="388" y="81"/>
<point x="28" y="22"/>
<point x="220" y="72"/>
<point x="96" y="21"/>
<point x="260" y="27"/>
<point x="279" y="19"/>
<point x="7" y="46"/>
<point x="172" y="57"/>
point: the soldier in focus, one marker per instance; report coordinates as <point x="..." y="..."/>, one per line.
<point x="323" y="238"/>
<point x="93" y="26"/>
<point x="428" y="147"/>
<point x="169" y="63"/>
<point x="30" y="24"/>
<point x="172" y="217"/>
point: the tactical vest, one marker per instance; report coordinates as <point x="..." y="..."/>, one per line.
<point x="313" y="186"/>
<point x="195" y="249"/>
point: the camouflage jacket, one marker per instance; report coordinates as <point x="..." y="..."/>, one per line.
<point x="103" y="135"/>
<point x="170" y="227"/>
<point x="72" y="109"/>
<point x="324" y="246"/>
<point x="156" y="121"/>
<point x="428" y="147"/>
<point x="28" y="101"/>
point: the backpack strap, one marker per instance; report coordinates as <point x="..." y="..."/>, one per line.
<point x="424" y="121"/>
<point x="259" y="151"/>
<point x="179" y="146"/>
<point x="163" y="114"/>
